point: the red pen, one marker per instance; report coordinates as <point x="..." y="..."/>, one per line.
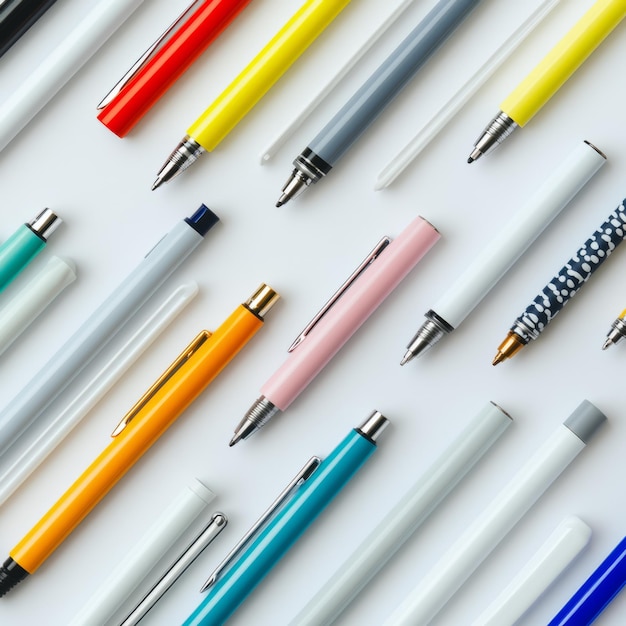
<point x="167" y="59"/>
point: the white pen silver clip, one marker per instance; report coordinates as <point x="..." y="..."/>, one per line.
<point x="145" y="57"/>
<point x="367" y="261"/>
<point x="303" y="475"/>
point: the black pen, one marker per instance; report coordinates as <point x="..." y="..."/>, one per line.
<point x="16" y="17"/>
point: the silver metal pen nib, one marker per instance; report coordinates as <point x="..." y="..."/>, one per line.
<point x="256" y="417"/>
<point x="186" y="152"/>
<point x="308" y="169"/>
<point x="429" y="333"/>
<point x="616" y="334"/>
<point x="500" y="127"/>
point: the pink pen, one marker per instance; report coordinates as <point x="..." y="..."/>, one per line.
<point x="375" y="278"/>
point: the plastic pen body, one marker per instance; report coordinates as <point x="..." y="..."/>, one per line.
<point x="24" y="245"/>
<point x="368" y="102"/>
<point x="595" y="594"/>
<point x="16" y="17"/>
<point x="155" y="412"/>
<point x="404" y="518"/>
<point x="61" y="64"/>
<point x="496" y="521"/>
<point x="283" y="530"/>
<point x="497" y="257"/>
<point x="103" y="324"/>
<point x="169" y="62"/>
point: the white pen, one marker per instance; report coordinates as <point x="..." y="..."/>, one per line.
<point x="103" y="324"/>
<point x="501" y="515"/>
<point x="59" y="65"/>
<point x="296" y="122"/>
<point x="31" y="301"/>
<point x="144" y="554"/>
<point x="447" y="112"/>
<point x="216" y="525"/>
<point x="498" y="256"/>
<point x="405" y="517"/>
<point x="564" y="544"/>
<point x="16" y="468"/>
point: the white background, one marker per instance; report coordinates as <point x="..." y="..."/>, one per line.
<point x="100" y="185"/>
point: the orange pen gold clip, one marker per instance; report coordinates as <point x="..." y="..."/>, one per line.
<point x="183" y="381"/>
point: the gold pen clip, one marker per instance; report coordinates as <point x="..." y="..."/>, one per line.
<point x="304" y="474"/>
<point x="367" y="261"/>
<point x="145" y="57"/>
<point x="179" y="362"/>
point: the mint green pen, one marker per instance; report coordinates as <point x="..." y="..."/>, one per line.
<point x="25" y="244"/>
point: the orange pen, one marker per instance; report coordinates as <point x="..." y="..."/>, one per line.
<point x="151" y="416"/>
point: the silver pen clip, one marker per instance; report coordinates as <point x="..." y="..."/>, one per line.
<point x="145" y="57"/>
<point x="179" y="362"/>
<point x="303" y="475"/>
<point x="367" y="261"/>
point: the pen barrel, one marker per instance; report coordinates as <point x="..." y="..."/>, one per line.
<point x="282" y="531"/>
<point x="94" y="334"/>
<point x="16" y="17"/>
<point x="596" y="592"/>
<point x="389" y="79"/>
<point x="174" y="58"/>
<point x="263" y="71"/>
<point x="17" y="252"/>
<point x="574" y="274"/>
<point x="349" y="313"/>
<point x="497" y="257"/>
<point x="154" y="418"/>
<point x="563" y="60"/>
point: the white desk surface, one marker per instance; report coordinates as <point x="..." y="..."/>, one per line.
<point x="100" y="185"/>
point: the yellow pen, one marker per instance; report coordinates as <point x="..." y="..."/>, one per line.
<point x="251" y="85"/>
<point x="552" y="72"/>
<point x="152" y="415"/>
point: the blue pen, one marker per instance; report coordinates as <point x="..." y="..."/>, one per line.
<point x="596" y="592"/>
<point x="277" y="530"/>
<point x="24" y="245"/>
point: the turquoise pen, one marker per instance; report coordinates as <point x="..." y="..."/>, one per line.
<point x="297" y="506"/>
<point x="24" y="245"/>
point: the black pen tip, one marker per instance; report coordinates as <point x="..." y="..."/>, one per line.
<point x="10" y="575"/>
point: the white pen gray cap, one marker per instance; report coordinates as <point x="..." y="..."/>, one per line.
<point x="585" y="421"/>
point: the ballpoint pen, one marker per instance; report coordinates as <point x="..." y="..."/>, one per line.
<point x="501" y="253"/>
<point x="449" y="110"/>
<point x="284" y="522"/>
<point x="147" y="420"/>
<point x="597" y="592"/>
<point x="359" y="296"/>
<point x="16" y="17"/>
<point x="368" y="102"/>
<point x="144" y="554"/>
<point x="25" y="244"/>
<point x="16" y="468"/>
<point x="335" y="80"/>
<point x="229" y="108"/>
<point x="405" y="517"/>
<point x="550" y="74"/>
<point x="567" y="541"/>
<point x="565" y="285"/>
<point x="103" y="324"/>
<point x="465" y="555"/>
<point x="58" y="67"/>
<point x="28" y="303"/>
<point x="617" y="331"/>
<point x="165" y="61"/>
<point x="216" y="524"/>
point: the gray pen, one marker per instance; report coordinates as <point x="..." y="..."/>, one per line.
<point x="321" y="155"/>
<point x="190" y="554"/>
<point x="102" y="325"/>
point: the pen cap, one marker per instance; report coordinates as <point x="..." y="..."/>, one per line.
<point x="262" y="301"/>
<point x="145" y="554"/>
<point x="45" y="224"/>
<point x="202" y="220"/>
<point x="585" y="421"/>
<point x="373" y="426"/>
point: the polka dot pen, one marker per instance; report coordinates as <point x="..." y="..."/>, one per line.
<point x="562" y="287"/>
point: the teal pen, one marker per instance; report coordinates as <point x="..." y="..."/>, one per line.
<point x="306" y="496"/>
<point x="24" y="245"/>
